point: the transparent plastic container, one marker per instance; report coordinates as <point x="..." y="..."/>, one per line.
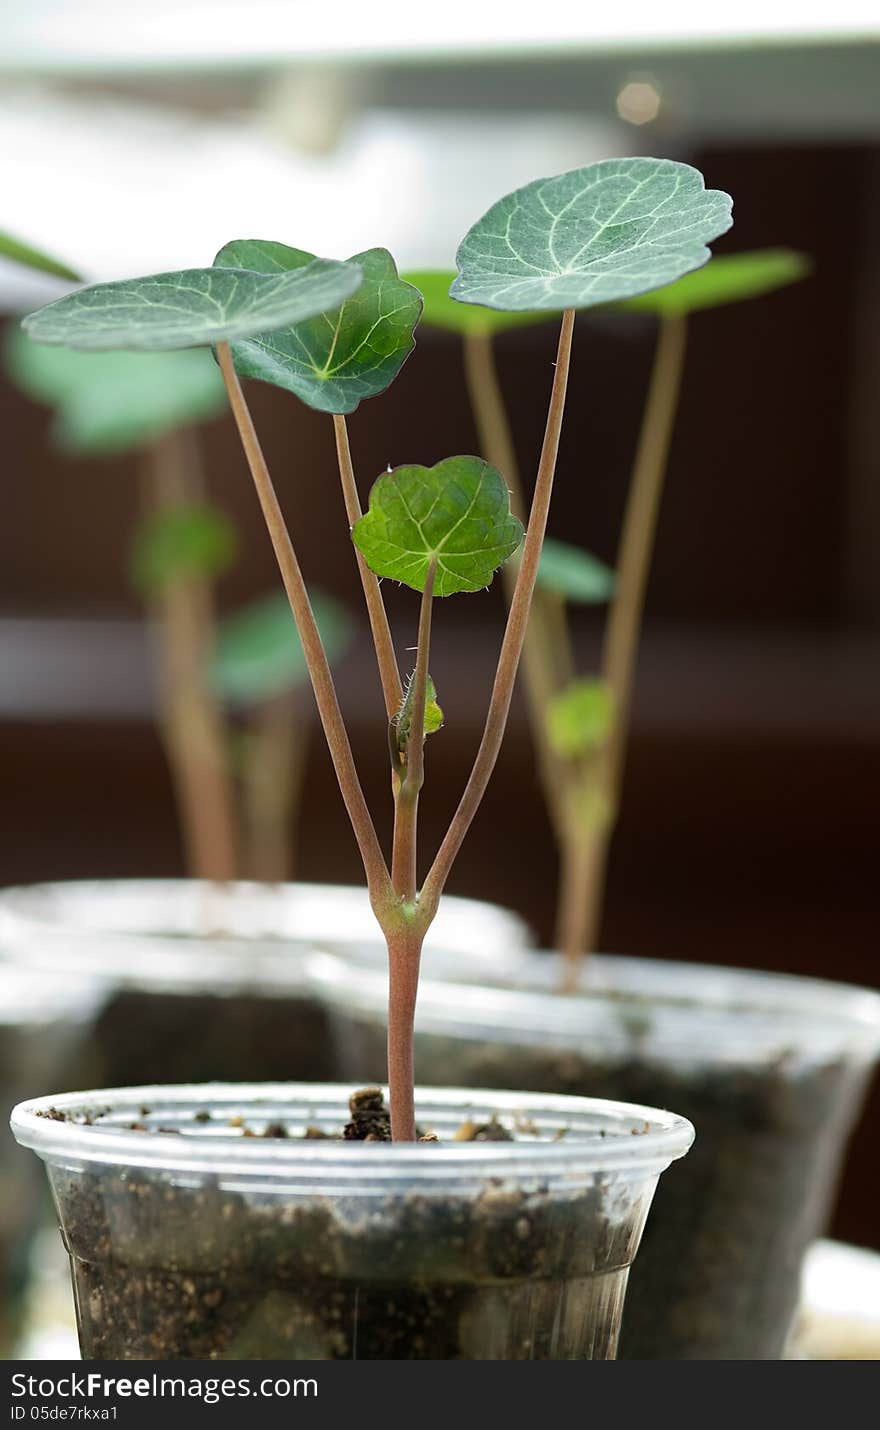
<point x="208" y="980"/>
<point x="771" y="1069"/>
<point x="190" y="1239"/>
<point x="43" y="1021"/>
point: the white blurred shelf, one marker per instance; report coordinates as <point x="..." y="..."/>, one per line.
<point x="70" y="36"/>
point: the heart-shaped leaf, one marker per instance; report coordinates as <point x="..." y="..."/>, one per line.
<point x="111" y="402"/>
<point x="466" y="319"/>
<point x="574" y="574"/>
<point x="182" y="541"/>
<point x="194" y="308"/>
<point x="335" y="360"/>
<point x="457" y="512"/>
<point x="579" y="719"/>
<point x="27" y="256"/>
<point x="728" y="279"/>
<point x="591" y="236"/>
<point x="258" y="654"/>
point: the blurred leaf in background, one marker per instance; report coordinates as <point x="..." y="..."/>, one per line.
<point x="441" y="311"/>
<point x="574" y="574"/>
<point x="179" y="542"/>
<point x="727" y="279"/>
<point x="24" y="254"/>
<point x="112" y="402"/>
<point x="258" y="654"/>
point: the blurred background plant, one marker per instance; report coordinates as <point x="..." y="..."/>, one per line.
<point x="228" y="694"/>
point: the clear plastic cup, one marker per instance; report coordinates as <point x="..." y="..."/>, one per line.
<point x="771" y="1069"/>
<point x="208" y="980"/>
<point x="43" y="1020"/>
<point x="189" y="1238"/>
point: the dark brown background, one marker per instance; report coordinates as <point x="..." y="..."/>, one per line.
<point x="749" y="831"/>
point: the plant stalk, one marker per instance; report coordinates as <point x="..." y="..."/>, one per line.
<point x="375" y="868"/>
<point x="514" y="634"/>
<point x="404" y="956"/>
<point x="623" y="627"/>
<point x="191" y="718"/>
<point x="389" y="673"/>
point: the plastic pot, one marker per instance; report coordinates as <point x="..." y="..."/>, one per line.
<point x="42" y="1021"/>
<point x="771" y="1069"/>
<point x="190" y="1239"/>
<point x="207" y="981"/>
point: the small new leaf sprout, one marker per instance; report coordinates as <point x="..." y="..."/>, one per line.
<point x="580" y="718"/>
<point x="574" y="574"/>
<point x="728" y="279"/>
<point x="456" y="513"/>
<point x="194" y="308"/>
<point x="402" y="722"/>
<point x="594" y="235"/>
<point x="26" y="256"/>
<point x="467" y="320"/>
<point x="180" y="542"/>
<point x="259" y="655"/>
<point x="335" y="360"/>
<point x="113" y="402"/>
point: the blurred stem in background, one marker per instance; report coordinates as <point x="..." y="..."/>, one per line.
<point x="190" y="717"/>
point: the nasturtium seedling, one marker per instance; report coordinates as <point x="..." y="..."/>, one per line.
<point x="574" y="574"/>
<point x="580" y="718"/>
<point x="465" y="319"/>
<point x="27" y="256"/>
<point x="112" y="402"/>
<point x="595" y="236"/>
<point x="728" y="279"/>
<point x="591" y="236"/>
<point x="196" y="307"/>
<point x="179" y="542"/>
<point x="334" y="360"/>
<point x="259" y="655"/>
<point x="456" y="513"/>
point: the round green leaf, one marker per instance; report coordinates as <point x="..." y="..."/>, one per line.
<point x="29" y="257"/>
<point x="194" y="308"/>
<point x="335" y="360"/>
<point x="728" y="279"/>
<point x="111" y="402"/>
<point x="182" y="541"/>
<point x="591" y="236"/>
<point x="574" y="574"/>
<point x="579" y="719"/>
<point x="457" y="512"/>
<point x="258" y="654"/>
<point x="442" y="311"/>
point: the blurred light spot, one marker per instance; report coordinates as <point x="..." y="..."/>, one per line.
<point x="638" y="102"/>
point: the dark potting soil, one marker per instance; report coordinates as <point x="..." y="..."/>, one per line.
<point x="717" y="1273"/>
<point x="168" y="1271"/>
<point x="151" y="1037"/>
